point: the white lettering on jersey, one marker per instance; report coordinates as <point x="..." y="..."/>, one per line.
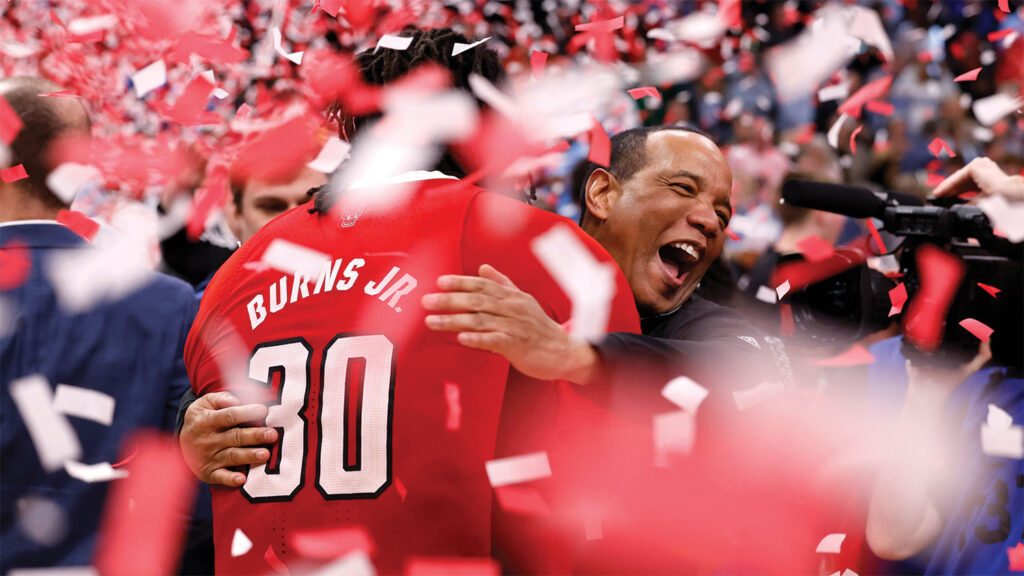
<point x="374" y="289"/>
<point x="257" y="313"/>
<point x="351" y="274"/>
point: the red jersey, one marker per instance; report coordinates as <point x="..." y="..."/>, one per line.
<point x="363" y="393"/>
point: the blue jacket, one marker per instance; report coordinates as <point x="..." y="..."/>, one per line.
<point x="130" y="349"/>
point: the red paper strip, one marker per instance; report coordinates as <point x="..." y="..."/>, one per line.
<point x="853" y="138"/>
<point x="13" y="174"/>
<point x="968" y="76"/>
<point x="600" y="145"/>
<point x="522" y="500"/>
<point x="452" y="567"/>
<point x="879" y="107"/>
<point x="638" y="93"/>
<point x="976" y="327"/>
<point x="876" y="237"/>
<point x="402" y="490"/>
<point x="940" y="273"/>
<point x="79" y="223"/>
<point x="730" y="13"/>
<point x="1016" y="557"/>
<point x="934" y="180"/>
<point x="990" y="289"/>
<point x="898" y="297"/>
<point x="1000" y="34"/>
<point x="191" y="103"/>
<point x="602" y="25"/>
<point x="855" y="356"/>
<point x="10" y="122"/>
<point x="938" y="145"/>
<point x="332" y="542"/>
<point x="732" y="235"/>
<point x="207" y="199"/>
<point x="871" y="91"/>
<point x="815" y="249"/>
<point x="537" y="62"/>
<point x="144" y="522"/>
<point x="209" y="48"/>
<point x="15" y="264"/>
<point x="270" y="557"/>
<point x="1004" y="5"/>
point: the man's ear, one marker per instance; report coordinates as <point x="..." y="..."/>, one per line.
<point x="600" y="193"/>
<point x="232" y="217"/>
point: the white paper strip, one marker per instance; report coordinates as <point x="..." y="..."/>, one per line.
<point x="765" y="294"/>
<point x="674" y="435"/>
<point x="149" y="78"/>
<point x="1007" y="217"/>
<point x="459" y="47"/>
<point x="54" y="438"/>
<point x="518" y="469"/>
<point x="746" y="399"/>
<point x="830" y="544"/>
<point x="84" y="403"/>
<point x="275" y="35"/>
<point x="68" y="178"/>
<point x="335" y="151"/>
<point x="992" y="109"/>
<point x="782" y="289"/>
<point x="240" y="543"/>
<point x="834" y="92"/>
<point x="685" y="393"/>
<point x="90" y="473"/>
<point x="294" y="259"/>
<point x="833" y="133"/>
<point x="1003" y="442"/>
<point x="393" y="42"/>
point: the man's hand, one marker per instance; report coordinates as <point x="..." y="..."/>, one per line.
<point x="490" y="313"/>
<point x="986" y="177"/>
<point x="212" y="438"/>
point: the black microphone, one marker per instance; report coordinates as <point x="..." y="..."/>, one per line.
<point x="853" y="201"/>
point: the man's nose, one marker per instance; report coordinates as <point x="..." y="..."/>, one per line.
<point x="704" y="218"/>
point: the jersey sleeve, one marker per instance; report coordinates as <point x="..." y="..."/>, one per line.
<point x="207" y="341"/>
<point x="499" y="231"/>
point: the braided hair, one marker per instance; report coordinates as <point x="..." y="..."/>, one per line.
<point x="383" y="66"/>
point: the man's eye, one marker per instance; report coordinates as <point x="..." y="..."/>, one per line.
<point x="683" y="188"/>
<point x="271" y="207"/>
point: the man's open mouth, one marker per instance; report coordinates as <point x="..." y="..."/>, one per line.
<point x="678" y="257"/>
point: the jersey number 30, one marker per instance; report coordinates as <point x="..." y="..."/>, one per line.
<point x="336" y="478"/>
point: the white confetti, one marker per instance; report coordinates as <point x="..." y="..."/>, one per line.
<point x="495" y="98"/>
<point x="830" y="544"/>
<point x="833" y="133"/>
<point x="834" y="92"/>
<point x="992" y="109"/>
<point x="220" y="93"/>
<point x="998" y="418"/>
<point x="83" y="279"/>
<point x="149" y="78"/>
<point x="782" y="289"/>
<point x="589" y="284"/>
<point x="459" y="47"/>
<point x="746" y="399"/>
<point x="999" y="437"/>
<point x="592" y="524"/>
<point x="661" y="34"/>
<point x="294" y="259"/>
<point x="674" y="435"/>
<point x="84" y="403"/>
<point x="1006" y="217"/>
<point x="54" y="438"/>
<point x="68" y="179"/>
<point x="331" y="156"/>
<point x="90" y="473"/>
<point x="85" y="26"/>
<point x="685" y="393"/>
<point x="765" y="294"/>
<point x="352" y="564"/>
<point x="295" y="57"/>
<point x="240" y="544"/>
<point x="393" y="42"/>
<point x="518" y="469"/>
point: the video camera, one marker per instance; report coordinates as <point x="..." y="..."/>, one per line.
<point x="855" y="302"/>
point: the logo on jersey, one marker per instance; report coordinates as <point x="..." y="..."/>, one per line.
<point x="349" y="215"/>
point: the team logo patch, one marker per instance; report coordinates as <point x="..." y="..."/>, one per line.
<point x="350" y="215"/>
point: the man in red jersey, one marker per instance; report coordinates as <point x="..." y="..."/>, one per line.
<point x="359" y="388"/>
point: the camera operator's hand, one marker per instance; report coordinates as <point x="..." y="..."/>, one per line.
<point x="490" y="313"/>
<point x="983" y="175"/>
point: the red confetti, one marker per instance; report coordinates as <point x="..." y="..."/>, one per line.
<point x="940" y="274"/>
<point x="400" y="487"/>
<point x="13" y="174"/>
<point x="209" y="48"/>
<point x="855" y="356"/>
<point x="143" y="528"/>
<point x="898" y="297"/>
<point x="602" y="25"/>
<point x="189" y="106"/>
<point x="10" y="122"/>
<point x="15" y="264"/>
<point x="869" y="92"/>
<point x="1016" y="556"/>
<point x="990" y="289"/>
<point x="876" y="237"/>
<point x="938" y="145"/>
<point x="278" y="153"/>
<point x="968" y="76"/>
<point x="730" y="13"/>
<point x="600" y="145"/>
<point x="853" y="138"/>
<point x="79" y="223"/>
<point x="934" y="180"/>
<point x="206" y="200"/>
<point x="1004" y="5"/>
<point x="879" y="107"/>
<point x="815" y="249"/>
<point x="1000" y="34"/>
<point x="638" y="93"/>
<point x="978" y="328"/>
<point x="732" y="235"/>
<point x="332" y="542"/>
<point x="274" y="562"/>
<point x="452" y="567"/>
<point x="522" y="500"/>
<point x="537" y="62"/>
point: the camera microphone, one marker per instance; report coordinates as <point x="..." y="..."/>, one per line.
<point x="853" y="201"/>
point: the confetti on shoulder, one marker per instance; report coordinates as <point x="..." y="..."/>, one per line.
<point x="393" y="42"/>
<point x="295" y="259"/>
<point x="518" y="469"/>
<point x="459" y="47"/>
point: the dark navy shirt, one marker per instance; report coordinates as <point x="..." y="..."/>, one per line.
<point x="130" y="349"/>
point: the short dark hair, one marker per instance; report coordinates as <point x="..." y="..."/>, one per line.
<point x="43" y="123"/>
<point x="384" y="66"/>
<point x="628" y="156"/>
